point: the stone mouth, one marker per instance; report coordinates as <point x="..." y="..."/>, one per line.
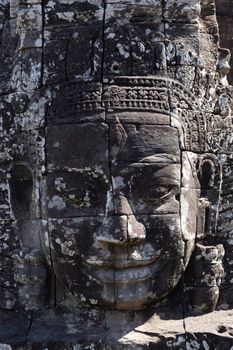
<point x="122" y="264"/>
<point x="137" y="274"/>
<point x="126" y="272"/>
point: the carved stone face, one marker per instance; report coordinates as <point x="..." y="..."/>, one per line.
<point x="102" y="105"/>
<point x="121" y="223"/>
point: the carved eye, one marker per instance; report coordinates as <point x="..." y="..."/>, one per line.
<point x="157" y="192"/>
<point x="81" y="198"/>
<point x="82" y="189"/>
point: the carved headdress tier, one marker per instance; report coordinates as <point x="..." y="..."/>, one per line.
<point x="202" y="122"/>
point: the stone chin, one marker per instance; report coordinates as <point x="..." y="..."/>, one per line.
<point x="129" y="288"/>
<point x="136" y="288"/>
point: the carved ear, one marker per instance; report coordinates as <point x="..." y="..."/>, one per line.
<point x="209" y="174"/>
<point x="21" y="186"/>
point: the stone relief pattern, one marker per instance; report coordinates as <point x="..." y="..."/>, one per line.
<point x="114" y="71"/>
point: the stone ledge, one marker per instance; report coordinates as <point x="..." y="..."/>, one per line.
<point x="112" y="330"/>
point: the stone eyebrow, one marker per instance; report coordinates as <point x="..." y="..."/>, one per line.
<point x="161" y="158"/>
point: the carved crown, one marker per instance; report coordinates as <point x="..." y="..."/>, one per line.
<point x="201" y="121"/>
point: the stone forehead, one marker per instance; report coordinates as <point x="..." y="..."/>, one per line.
<point x="91" y="144"/>
<point x="139" y="100"/>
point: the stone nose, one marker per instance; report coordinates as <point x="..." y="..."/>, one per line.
<point x="122" y="230"/>
<point x="114" y="230"/>
<point x="121" y="205"/>
<point x="117" y="204"/>
<point x="136" y="230"/>
<point x="120" y="226"/>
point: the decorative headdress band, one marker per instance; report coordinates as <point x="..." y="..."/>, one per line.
<point x="202" y="128"/>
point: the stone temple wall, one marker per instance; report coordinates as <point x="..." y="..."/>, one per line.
<point x="116" y="175"/>
<point x="225" y="17"/>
